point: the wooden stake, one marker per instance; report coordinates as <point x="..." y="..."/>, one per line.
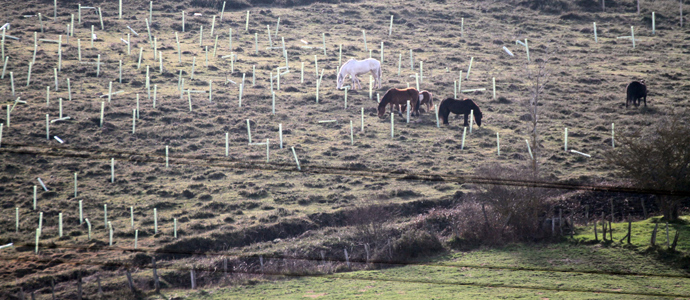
<point x="155" y="275"/>
<point x="129" y="282"/>
<point x="193" y="279"/>
<point x="79" y="289"/>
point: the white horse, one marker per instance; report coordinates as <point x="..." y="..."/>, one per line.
<point x="355" y="67"/>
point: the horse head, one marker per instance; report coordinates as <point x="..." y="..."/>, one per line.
<point x="382" y="109"/>
<point x="478" y="116"/>
<point x="340" y="80"/>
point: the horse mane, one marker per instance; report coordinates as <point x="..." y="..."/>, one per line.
<point x="384" y="100"/>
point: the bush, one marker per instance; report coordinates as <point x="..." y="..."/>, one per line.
<point x="369" y="223"/>
<point x="517" y="207"/>
<point x="658" y="162"/>
<point x="415" y="244"/>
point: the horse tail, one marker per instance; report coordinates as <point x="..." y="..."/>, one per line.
<point x="416" y="106"/>
<point x="380" y="74"/>
<point x="443" y="111"/>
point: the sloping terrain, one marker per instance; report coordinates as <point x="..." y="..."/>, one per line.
<point x="216" y="197"/>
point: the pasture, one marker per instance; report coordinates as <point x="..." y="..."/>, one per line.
<point x="232" y="199"/>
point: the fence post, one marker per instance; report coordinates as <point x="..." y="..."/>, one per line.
<point x="603" y="227"/>
<point x="366" y="248"/>
<point x="675" y="241"/>
<point x="155" y="275"/>
<point x="130" y="283"/>
<point x="629" y="228"/>
<point x="191" y="273"/>
<point x="653" y="240"/>
<point x="347" y="259"/>
<point x="79" y="285"/>
<point x="100" y="290"/>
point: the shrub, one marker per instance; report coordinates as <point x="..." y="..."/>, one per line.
<point x="415" y="244"/>
<point x="658" y="161"/>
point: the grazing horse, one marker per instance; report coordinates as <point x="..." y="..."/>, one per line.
<point x="426" y="98"/>
<point x="355" y="67"/>
<point x="459" y="107"/>
<point x="400" y="96"/>
<point x="635" y="91"/>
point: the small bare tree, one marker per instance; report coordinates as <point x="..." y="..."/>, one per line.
<point x="537" y="77"/>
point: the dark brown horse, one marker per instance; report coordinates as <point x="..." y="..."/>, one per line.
<point x="457" y="107"/>
<point x="399" y="96"/>
<point x="635" y="91"/>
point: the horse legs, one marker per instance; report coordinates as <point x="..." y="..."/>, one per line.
<point x="377" y="79"/>
<point x="355" y="82"/>
<point x="466" y="123"/>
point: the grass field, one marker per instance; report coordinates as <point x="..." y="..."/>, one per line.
<point x="237" y="203"/>
<point x="577" y="269"/>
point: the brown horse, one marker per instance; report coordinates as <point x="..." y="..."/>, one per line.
<point x="426" y="98"/>
<point x="399" y="96"/>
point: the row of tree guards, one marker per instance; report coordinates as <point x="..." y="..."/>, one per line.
<point x="153" y="40"/>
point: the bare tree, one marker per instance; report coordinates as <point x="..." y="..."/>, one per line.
<point x="658" y="161"/>
<point x="537" y="77"/>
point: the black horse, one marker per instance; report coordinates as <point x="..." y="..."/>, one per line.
<point x="635" y="91"/>
<point x="459" y="107"/>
